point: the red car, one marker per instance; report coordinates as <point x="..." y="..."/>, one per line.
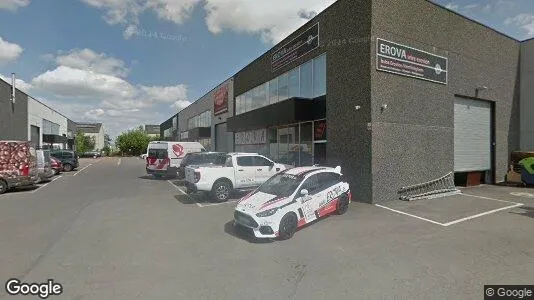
<point x="56" y="165"/>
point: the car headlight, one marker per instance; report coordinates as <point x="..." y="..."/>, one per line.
<point x="267" y="213"/>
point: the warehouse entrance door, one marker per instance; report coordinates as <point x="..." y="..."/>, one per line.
<point x="35" y="136"/>
<point x="473" y="141"/>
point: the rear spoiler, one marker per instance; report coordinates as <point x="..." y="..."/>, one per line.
<point x="337" y="169"/>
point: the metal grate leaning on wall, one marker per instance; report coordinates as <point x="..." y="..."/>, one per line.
<point x="440" y="187"/>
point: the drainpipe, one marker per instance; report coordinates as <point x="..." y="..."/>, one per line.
<point x="13" y="88"/>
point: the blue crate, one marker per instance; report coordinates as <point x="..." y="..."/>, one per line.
<point x="526" y="177"/>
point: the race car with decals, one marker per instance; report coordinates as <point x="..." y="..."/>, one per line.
<point x="292" y="199"/>
<point x="234" y="171"/>
<point x="164" y="158"/>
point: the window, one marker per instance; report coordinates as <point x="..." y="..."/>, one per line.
<point x="237" y="105"/>
<point x="261" y="162"/>
<point x="273" y="91"/>
<point x="328" y="179"/>
<point x="283" y="87"/>
<point x="254" y="98"/>
<point x="245" y="161"/>
<point x="248" y="101"/>
<point x="306" y="80"/>
<point x="319" y="76"/>
<point x="311" y="184"/>
<point x="294" y="89"/>
<point x="262" y="96"/>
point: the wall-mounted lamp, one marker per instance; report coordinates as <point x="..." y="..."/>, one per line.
<point x="13" y="88"/>
<point x="481" y="88"/>
<point x="357" y="107"/>
<point x="384" y="107"/>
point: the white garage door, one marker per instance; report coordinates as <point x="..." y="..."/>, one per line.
<point x="472" y="135"/>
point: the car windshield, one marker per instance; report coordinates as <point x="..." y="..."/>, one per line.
<point x="280" y="185"/>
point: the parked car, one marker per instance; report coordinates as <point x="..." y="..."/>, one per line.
<point x="235" y="171"/>
<point x="164" y="158"/>
<point x="18" y="165"/>
<point x="292" y="199"/>
<point x="44" y="166"/>
<point x="56" y="165"/>
<point x="200" y="158"/>
<point x="68" y="158"/>
<point x="93" y="154"/>
<point x="143" y="156"/>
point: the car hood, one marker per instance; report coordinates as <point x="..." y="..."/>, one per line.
<point x="259" y="201"/>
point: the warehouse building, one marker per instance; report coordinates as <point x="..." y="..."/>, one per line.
<point x="152" y="131"/>
<point x="93" y="130"/>
<point x="47" y="128"/>
<point x="403" y="102"/>
<point x="527" y="95"/>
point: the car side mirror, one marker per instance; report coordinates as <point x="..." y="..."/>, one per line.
<point x="304" y="192"/>
<point x="271" y="164"/>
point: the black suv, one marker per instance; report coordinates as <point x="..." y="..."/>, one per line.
<point x="199" y="158"/>
<point x="68" y="158"/>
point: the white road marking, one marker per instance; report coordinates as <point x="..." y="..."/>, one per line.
<point x="481" y="197"/>
<point x="82" y="169"/>
<point x="182" y="191"/>
<point x="407" y="214"/>
<point x="44" y="185"/>
<point x="119" y="162"/>
<point x="215" y="204"/>
<point x="482" y="214"/>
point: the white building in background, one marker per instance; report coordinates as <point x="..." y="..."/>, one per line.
<point x="47" y="128"/>
<point x="95" y="130"/>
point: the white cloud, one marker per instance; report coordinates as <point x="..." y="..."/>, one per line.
<point x="525" y="21"/>
<point x="180" y="104"/>
<point x="8" y="51"/>
<point x="273" y="20"/>
<point x="19" y="83"/>
<point x="89" y="60"/>
<point x="452" y="6"/>
<point x="13" y="5"/>
<point x="165" y="94"/>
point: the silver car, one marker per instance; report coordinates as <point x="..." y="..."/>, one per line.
<point x="44" y="166"/>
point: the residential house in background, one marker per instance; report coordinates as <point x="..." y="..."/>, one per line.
<point x="95" y="130"/>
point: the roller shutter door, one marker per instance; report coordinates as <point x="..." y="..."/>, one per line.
<point x="472" y="135"/>
<point x="221" y="138"/>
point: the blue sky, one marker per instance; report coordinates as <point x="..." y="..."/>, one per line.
<point x="132" y="62"/>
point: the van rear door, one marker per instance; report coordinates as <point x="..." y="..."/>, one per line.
<point x="157" y="159"/>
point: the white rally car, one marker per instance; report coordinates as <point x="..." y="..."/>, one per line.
<point x="290" y="199"/>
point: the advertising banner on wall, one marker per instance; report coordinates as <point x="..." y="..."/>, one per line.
<point x="407" y="61"/>
<point x="319" y="128"/>
<point x="220" y="101"/>
<point x="252" y="137"/>
<point x="302" y="44"/>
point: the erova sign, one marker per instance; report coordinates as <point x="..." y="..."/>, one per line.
<point x="407" y="61"/>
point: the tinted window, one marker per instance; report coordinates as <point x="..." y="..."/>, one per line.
<point x="294" y="87"/>
<point x="157" y="153"/>
<point x="280" y="185"/>
<point x="261" y="162"/>
<point x="319" y="76"/>
<point x="312" y="184"/>
<point x="328" y="179"/>
<point x="245" y="161"/>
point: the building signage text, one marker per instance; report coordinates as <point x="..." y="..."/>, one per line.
<point x="403" y="60"/>
<point x="220" y="101"/>
<point x="302" y="44"/>
<point x="252" y="137"/>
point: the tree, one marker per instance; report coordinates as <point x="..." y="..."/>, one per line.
<point x="133" y="142"/>
<point x="84" y="143"/>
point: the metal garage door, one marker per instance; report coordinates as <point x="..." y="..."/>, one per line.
<point x="472" y="135"/>
<point x="221" y="138"/>
<point x="35" y="136"/>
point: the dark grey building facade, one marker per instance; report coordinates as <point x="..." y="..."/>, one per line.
<point x="527" y="95"/>
<point x="13" y="117"/>
<point x="407" y="85"/>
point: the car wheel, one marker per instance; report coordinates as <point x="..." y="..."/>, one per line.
<point x="342" y="204"/>
<point x="221" y="191"/>
<point x="67" y="167"/>
<point x="288" y="226"/>
<point x="3" y="187"/>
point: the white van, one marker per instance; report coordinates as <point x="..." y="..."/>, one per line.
<point x="164" y="158"/>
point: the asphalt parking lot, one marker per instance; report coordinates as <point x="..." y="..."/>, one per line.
<point x="111" y="232"/>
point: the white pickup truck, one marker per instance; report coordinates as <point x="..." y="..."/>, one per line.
<point x="236" y="171"/>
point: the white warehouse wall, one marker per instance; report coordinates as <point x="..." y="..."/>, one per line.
<point x="99" y="138"/>
<point x="37" y="111"/>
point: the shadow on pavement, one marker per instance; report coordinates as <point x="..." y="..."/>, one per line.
<point x="528" y="211"/>
<point x="243" y="234"/>
<point x="188" y="199"/>
<point x="150" y="177"/>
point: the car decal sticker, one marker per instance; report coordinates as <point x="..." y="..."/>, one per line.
<point x="325" y="210"/>
<point x="178" y="150"/>
<point x="271" y="202"/>
<point x="301" y="222"/>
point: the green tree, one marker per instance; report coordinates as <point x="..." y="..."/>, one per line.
<point x="84" y="143"/>
<point x="133" y="142"/>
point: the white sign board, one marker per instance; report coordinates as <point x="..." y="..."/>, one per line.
<point x="184" y="135"/>
<point x="252" y="137"/>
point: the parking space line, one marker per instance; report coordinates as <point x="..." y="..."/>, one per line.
<point x="119" y="162"/>
<point x="181" y="191"/>
<point x="215" y="204"/>
<point x="44" y="185"/>
<point x="410" y="215"/>
<point x="505" y="201"/>
<point x="482" y="214"/>
<point x="82" y="169"/>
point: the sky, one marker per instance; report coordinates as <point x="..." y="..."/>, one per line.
<point x="127" y="63"/>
